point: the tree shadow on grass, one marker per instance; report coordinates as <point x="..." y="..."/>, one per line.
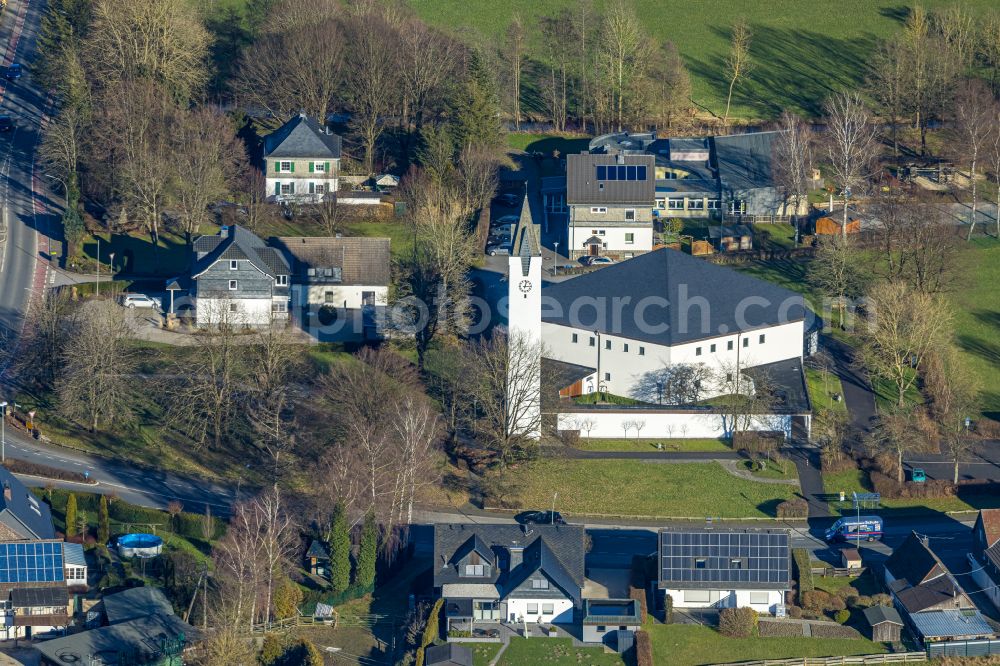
<point x="793" y="69"/>
<point x="984" y="349"/>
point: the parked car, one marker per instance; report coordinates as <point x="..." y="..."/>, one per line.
<point x="504" y="220"/>
<point x="132" y="301"/>
<point x="501" y="249"/>
<point x="597" y="261"/>
<point x="6" y="123"/>
<point x="14" y="72"/>
<point x="501" y="235"/>
<point x="852" y="528"/>
<point x="510" y="200"/>
<point x="917" y="475"/>
<point x="540" y="518"/>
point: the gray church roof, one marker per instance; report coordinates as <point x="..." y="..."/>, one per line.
<point x="668" y="297"/>
<point x="302" y="137"/>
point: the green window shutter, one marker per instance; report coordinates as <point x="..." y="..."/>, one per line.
<point x="312" y="188"/>
<point x="293" y="166"/>
<point x="311" y="167"/>
<point x="328" y="167"/>
<point x="277" y="166"/>
<point x="277" y="188"/>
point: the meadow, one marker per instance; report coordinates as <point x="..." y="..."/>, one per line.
<point x="802" y="50"/>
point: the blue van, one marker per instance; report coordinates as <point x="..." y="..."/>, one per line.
<point x="868" y="528"/>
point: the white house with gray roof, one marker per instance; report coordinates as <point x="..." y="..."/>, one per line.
<point x="301" y="161"/>
<point x="509" y="573"/>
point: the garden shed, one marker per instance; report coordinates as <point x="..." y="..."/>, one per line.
<point x="885" y="622"/>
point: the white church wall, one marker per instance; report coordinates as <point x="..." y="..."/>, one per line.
<point x="610" y="424"/>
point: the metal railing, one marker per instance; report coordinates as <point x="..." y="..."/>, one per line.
<point x="896" y="658"/>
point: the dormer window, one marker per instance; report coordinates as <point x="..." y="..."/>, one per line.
<point x="478" y="570"/>
<point x="281" y="280"/>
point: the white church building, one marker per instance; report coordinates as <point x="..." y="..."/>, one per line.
<point x="618" y="331"/>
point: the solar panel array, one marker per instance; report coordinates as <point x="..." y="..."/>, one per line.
<point x="32" y="562"/>
<point x="724" y="557"/>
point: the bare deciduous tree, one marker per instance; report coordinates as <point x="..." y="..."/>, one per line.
<point x="516" y="47"/>
<point x="793" y="160"/>
<point x="670" y="84"/>
<point x="975" y="125"/>
<point x="426" y="72"/>
<point x="839" y="270"/>
<point x="738" y="61"/>
<point x="675" y="384"/>
<point x="372" y="76"/>
<point x="622" y="53"/>
<point x="95" y="385"/>
<point x="851" y="145"/>
<point x="898" y="433"/>
<point x="417" y="432"/>
<point x="902" y="327"/>
<point x="887" y="84"/>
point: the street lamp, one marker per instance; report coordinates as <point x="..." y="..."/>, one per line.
<point x="112" y="265"/>
<point x="552" y="516"/>
<point x="3" y="431"/>
<point x="555" y="260"/>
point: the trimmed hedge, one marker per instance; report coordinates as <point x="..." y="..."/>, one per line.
<point x="802" y="571"/>
<point x="188" y="525"/>
<point x="637" y="584"/>
<point x="36" y="469"/>
<point x="738" y="622"/>
<point x="643" y="649"/>
<point x="793" y="508"/>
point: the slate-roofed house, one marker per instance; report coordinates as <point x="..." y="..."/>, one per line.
<point x="928" y="595"/>
<point x="494" y="573"/>
<point x="135" y="603"/>
<point x="666" y="308"/>
<point x="340" y="272"/>
<point x="449" y="654"/>
<point x="22" y="515"/>
<point x="725" y="568"/>
<point x="238" y="279"/>
<point x="986" y="552"/>
<point x="610" y="200"/>
<point x="301" y="161"/>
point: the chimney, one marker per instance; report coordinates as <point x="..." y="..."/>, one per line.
<point x="6" y="491"/>
<point x="224" y="231"/>
<point x="516" y="556"/>
<point x="620" y="158"/>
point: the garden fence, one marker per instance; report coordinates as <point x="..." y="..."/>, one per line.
<point x="864" y="660"/>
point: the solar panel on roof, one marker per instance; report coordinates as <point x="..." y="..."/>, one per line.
<point x="31" y="563"/>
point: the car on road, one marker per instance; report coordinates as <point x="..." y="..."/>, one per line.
<point x="132" y="301"/>
<point x="598" y="261"/>
<point x="540" y="518"/>
<point x="14" y="72"/>
<point x="500" y="249"/>
<point x="6" y="123"/>
<point x="855" y="528"/>
<point x="504" y="221"/>
<point x="510" y="200"/>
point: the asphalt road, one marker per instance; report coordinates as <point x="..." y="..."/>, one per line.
<point x="23" y="210"/>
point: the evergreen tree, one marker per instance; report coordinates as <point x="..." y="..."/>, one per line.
<point x="339" y="544"/>
<point x="364" y="575"/>
<point x="271" y="650"/>
<point x="71" y="515"/>
<point x="477" y="108"/>
<point x="103" y="522"/>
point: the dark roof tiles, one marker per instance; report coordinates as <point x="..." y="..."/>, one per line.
<point x="362" y="260"/>
<point x="302" y="136"/>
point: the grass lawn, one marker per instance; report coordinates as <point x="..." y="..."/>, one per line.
<point x="694" y="490"/>
<point x="801" y="50"/>
<point x="886" y="394"/>
<point x="856" y="480"/>
<point x="557" y="652"/>
<point x="483" y="653"/>
<point x="822" y="389"/>
<point x="773" y="471"/>
<point x="546" y="143"/>
<point x="692" y="645"/>
<point x="977" y="323"/>
<point x="134" y="254"/>
<point x="712" y="445"/>
<point x="864" y="584"/>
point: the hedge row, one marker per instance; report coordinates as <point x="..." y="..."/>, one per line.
<point x="803" y="571"/>
<point x="36" y="469"/>
<point x="643" y="649"/>
<point x="188" y="525"/>
<point x="637" y="584"/>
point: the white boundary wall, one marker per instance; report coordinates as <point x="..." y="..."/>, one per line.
<point x="610" y="424"/>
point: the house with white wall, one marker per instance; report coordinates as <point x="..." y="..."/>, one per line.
<point x="491" y="573"/>
<point x="301" y="161"/>
<point x="725" y="568"/>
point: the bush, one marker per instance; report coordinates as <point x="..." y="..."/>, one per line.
<point x="815" y="600"/>
<point x="793" y="508"/>
<point x="738" y="622"/>
<point x="889" y="488"/>
<point x="431" y="629"/>
<point x="881" y="599"/>
<point x="643" y="649"/>
<point x="271" y="650"/>
<point x="842" y="616"/>
<point x="802" y="571"/>
<point x="570" y="438"/>
<point x="834" y="603"/>
<point x="794" y="612"/>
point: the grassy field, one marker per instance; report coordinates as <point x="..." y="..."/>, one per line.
<point x="977" y="323"/>
<point x="693" y="645"/>
<point x="483" y="653"/>
<point x="694" y="490"/>
<point x="802" y="50"/>
<point x="711" y="445"/>
<point x="821" y="391"/>
<point x="557" y="652"/>
<point x="547" y="143"/>
<point x="786" y="470"/>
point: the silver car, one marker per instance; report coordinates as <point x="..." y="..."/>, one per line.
<point x="132" y="301"/>
<point x="495" y="250"/>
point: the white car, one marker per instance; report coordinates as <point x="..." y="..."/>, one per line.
<point x="598" y="261"/>
<point x="132" y="301"/>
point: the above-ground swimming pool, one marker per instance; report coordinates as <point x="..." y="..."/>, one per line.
<point x="139" y="545"/>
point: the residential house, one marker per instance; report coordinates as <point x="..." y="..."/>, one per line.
<point x="725" y="568"/>
<point x="236" y="279"/>
<point x="731" y="238"/>
<point x="610" y="200"/>
<point x="134" y="603"/>
<point x="449" y="654"/>
<point x="603" y="619"/>
<point x="301" y="161"/>
<point x="886" y="625"/>
<point x="508" y="573"/>
<point x="22" y="515"/>
<point x="985" y="556"/>
<point x="928" y="595"/>
<point x="36" y="611"/>
<point x="347" y="273"/>
<point x="153" y="639"/>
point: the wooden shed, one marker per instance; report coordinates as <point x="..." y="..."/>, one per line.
<point x="700" y="248"/>
<point x="850" y="558"/>
<point x="732" y="238"/>
<point x="885" y="623"/>
<point x="830" y="226"/>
